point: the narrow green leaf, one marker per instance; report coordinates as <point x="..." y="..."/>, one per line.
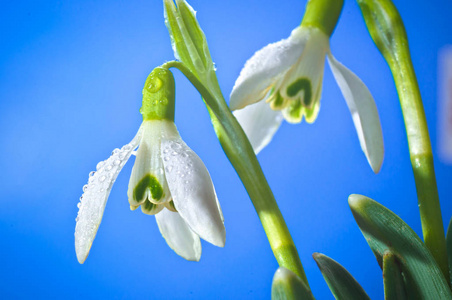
<point x="186" y="36"/>
<point x="171" y="16"/>
<point x="288" y="286"/>
<point x="188" y="15"/>
<point x="393" y="278"/>
<point x="385" y="231"/>
<point x="339" y="280"/>
<point x="449" y="248"/>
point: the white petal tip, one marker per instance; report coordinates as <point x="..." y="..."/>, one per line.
<point x="219" y="239"/>
<point x="81" y="258"/>
<point x="376" y="167"/>
<point x="192" y="258"/>
<point x="377" y="161"/>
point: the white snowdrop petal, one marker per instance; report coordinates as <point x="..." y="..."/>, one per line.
<point x="262" y="69"/>
<point x="149" y="166"/>
<point x="192" y="189"/>
<point x="178" y="235"/>
<point x="260" y="123"/>
<point x="364" y="112"/>
<point x="95" y="195"/>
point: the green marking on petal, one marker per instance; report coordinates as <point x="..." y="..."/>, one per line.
<point x="171" y="204"/>
<point x="294" y="112"/>
<point x="277" y="102"/>
<point x="312" y="113"/>
<point x="150" y="182"/>
<point x="301" y="84"/>
<point x="148" y="206"/>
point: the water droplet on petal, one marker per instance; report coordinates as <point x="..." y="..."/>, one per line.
<point x="100" y="165"/>
<point x="166" y="158"/>
<point x="109" y="167"/>
<point x="85" y="187"/>
<point x="176" y="146"/>
<point x="117" y="162"/>
<point x="91" y="174"/>
<point x="115" y="151"/>
<point x="102" y="179"/>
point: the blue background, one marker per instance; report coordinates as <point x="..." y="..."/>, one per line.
<point x="71" y="74"/>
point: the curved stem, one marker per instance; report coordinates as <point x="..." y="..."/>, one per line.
<point x="241" y="155"/>
<point x="388" y="32"/>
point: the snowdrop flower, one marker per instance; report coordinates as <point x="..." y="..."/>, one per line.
<point x="284" y="81"/>
<point x="168" y="180"/>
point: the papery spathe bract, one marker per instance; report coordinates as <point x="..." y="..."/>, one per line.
<point x="288" y="75"/>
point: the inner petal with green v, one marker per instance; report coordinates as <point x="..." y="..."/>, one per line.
<point x="148" y="181"/>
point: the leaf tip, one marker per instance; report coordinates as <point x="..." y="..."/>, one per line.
<point x="357" y="201"/>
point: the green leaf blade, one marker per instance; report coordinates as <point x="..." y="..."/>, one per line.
<point x="171" y="16"/>
<point x="287" y="285"/>
<point x="449" y="248"/>
<point x="392" y="278"/>
<point x="195" y="32"/>
<point x="188" y="40"/>
<point x="385" y="231"/>
<point x="339" y="280"/>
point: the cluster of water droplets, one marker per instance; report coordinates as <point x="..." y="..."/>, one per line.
<point x="177" y="159"/>
<point x="95" y="193"/>
<point x="267" y="65"/>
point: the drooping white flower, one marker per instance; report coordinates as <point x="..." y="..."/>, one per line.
<point x="168" y="180"/>
<point x="284" y="80"/>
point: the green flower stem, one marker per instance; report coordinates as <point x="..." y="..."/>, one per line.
<point x="322" y="14"/>
<point x="387" y="30"/>
<point x="241" y="155"/>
